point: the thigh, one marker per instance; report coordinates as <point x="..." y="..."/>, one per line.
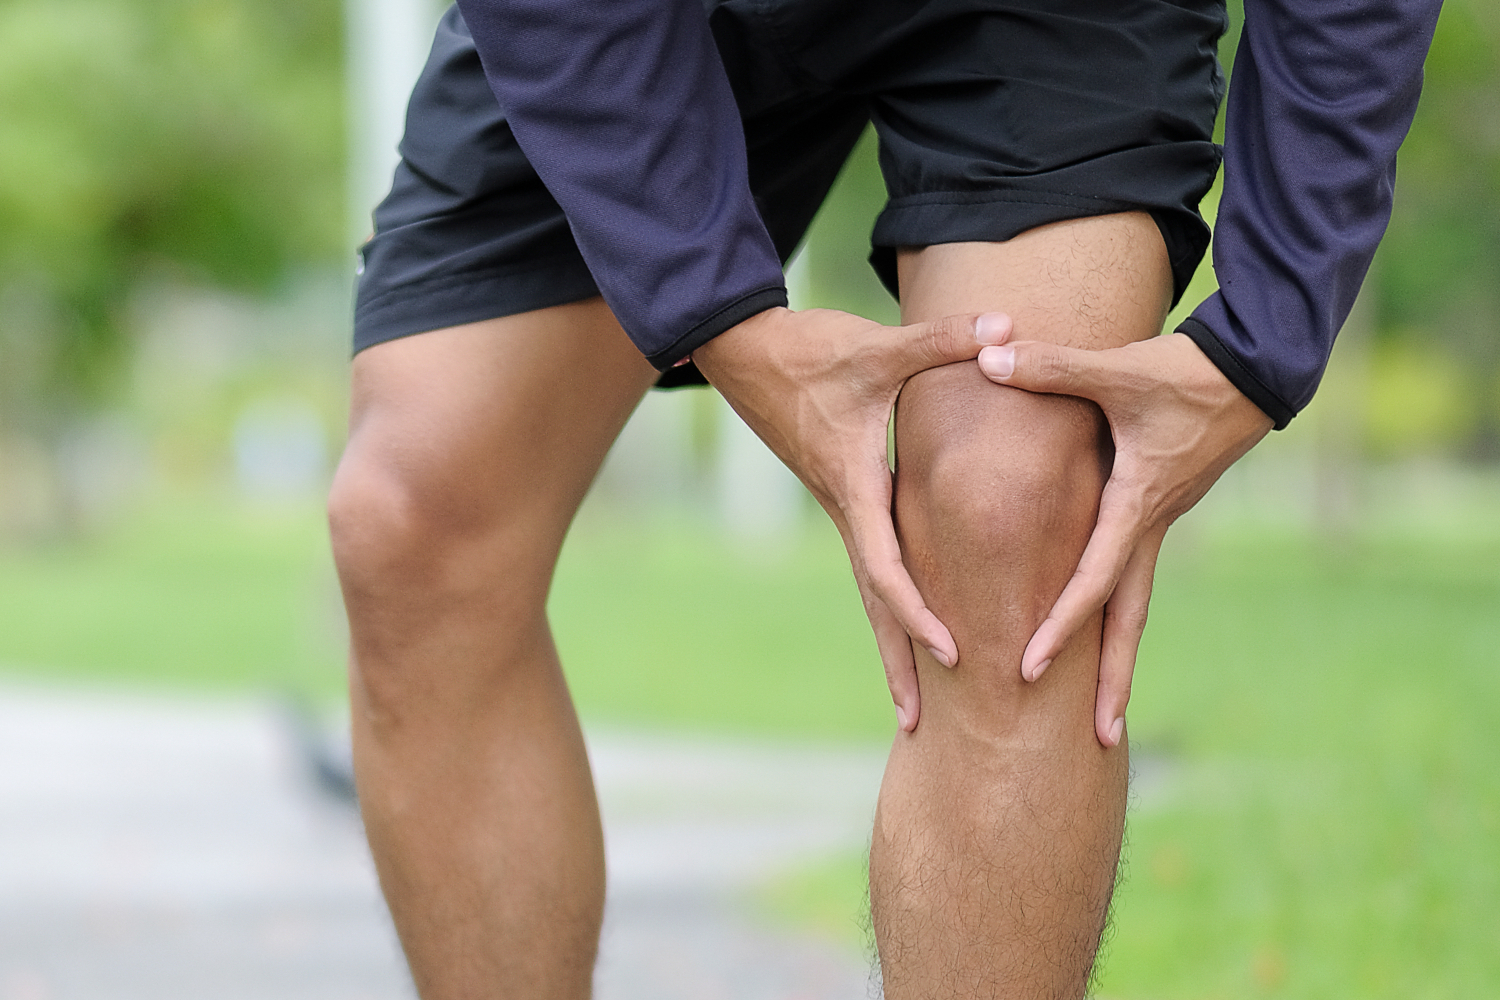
<point x="1096" y="282"/>
<point x="491" y="430"/>
<point x="1088" y="283"/>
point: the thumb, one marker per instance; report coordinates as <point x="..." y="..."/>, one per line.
<point x="949" y="340"/>
<point x="1041" y="367"/>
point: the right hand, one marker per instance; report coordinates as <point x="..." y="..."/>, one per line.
<point x="818" y="386"/>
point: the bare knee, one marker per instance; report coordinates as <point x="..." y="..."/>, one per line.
<point x="996" y="491"/>
<point x="429" y="527"/>
<point x="444" y="575"/>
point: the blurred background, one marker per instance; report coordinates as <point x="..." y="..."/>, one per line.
<point x="182" y="186"/>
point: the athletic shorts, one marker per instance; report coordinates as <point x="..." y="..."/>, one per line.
<point x="994" y="117"/>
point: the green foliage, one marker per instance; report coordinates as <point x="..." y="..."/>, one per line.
<point x="1439" y="268"/>
<point x="838" y="242"/>
<point x="1419" y="402"/>
<point x="200" y="137"/>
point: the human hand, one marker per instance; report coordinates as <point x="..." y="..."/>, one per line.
<point x="818" y="386"/>
<point x="1177" y="424"/>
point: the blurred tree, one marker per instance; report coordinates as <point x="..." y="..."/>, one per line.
<point x="203" y="139"/>
<point x="200" y="139"/>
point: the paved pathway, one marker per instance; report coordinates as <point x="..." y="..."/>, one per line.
<point x="177" y="850"/>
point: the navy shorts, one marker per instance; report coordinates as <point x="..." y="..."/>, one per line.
<point x="994" y="117"/>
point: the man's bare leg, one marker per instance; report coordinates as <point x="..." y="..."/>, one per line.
<point x="999" y="824"/>
<point x="469" y="453"/>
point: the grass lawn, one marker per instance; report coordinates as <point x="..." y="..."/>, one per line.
<point x="1331" y="829"/>
<point x="186" y="595"/>
<point x="1331" y="826"/>
<point x="1336" y="828"/>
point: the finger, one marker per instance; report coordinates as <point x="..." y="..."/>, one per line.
<point x="948" y="340"/>
<point x="1124" y="623"/>
<point x="875" y="544"/>
<point x="1115" y="536"/>
<point x="891" y="640"/>
<point x="899" y="662"/>
<point x="1041" y="367"/>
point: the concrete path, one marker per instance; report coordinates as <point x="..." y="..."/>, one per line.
<point x="177" y="850"/>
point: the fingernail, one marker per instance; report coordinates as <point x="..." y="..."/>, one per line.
<point x="991" y="328"/>
<point x="998" y="362"/>
<point x="1038" y="669"/>
<point x="1116" y="731"/>
<point x="940" y="656"/>
<point x="901" y="718"/>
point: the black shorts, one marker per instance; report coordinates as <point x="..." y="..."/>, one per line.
<point x="994" y="117"/>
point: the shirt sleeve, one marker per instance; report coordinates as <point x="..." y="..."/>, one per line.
<point x="1322" y="95"/>
<point x="625" y="111"/>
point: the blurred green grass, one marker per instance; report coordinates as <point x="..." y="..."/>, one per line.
<point x="183" y="595"/>
<point x="661" y="624"/>
<point x="676" y="624"/>
<point x="1330" y="826"/>
<point x="1335" y="828"/>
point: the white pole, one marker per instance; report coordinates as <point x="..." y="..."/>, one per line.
<point x="387" y="44"/>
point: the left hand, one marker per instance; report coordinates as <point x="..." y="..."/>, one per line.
<point x="1177" y="424"/>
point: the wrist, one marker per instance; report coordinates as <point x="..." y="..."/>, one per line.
<point x="712" y="354"/>
<point x="1236" y="371"/>
<point x="1227" y="403"/>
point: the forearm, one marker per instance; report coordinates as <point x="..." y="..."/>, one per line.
<point x="1322" y="97"/>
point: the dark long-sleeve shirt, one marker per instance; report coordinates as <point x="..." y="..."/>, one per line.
<point x="624" y="109"/>
<point x="1323" y="95"/>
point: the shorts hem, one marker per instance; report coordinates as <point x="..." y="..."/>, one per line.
<point x="958" y="217"/>
<point x="470" y="297"/>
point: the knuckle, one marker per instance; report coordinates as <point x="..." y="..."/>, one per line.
<point x="1132" y="620"/>
<point x="928" y="341"/>
<point x="936" y="337"/>
<point x="880" y="592"/>
<point x="1055" y="365"/>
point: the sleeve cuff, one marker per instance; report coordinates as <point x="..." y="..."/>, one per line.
<point x="1234" y="369"/>
<point x="733" y="314"/>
